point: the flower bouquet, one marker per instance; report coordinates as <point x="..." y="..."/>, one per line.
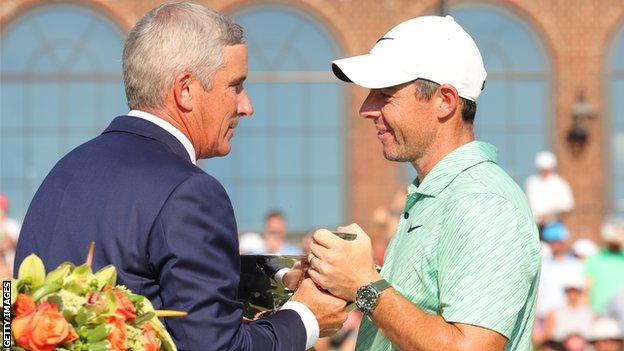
<point x="73" y="309"/>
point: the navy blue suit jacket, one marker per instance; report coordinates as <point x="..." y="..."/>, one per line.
<point x="167" y="226"/>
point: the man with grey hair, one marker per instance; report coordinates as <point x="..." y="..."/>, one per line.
<point x="167" y="226"/>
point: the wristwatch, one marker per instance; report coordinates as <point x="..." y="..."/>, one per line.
<point x="368" y="295"/>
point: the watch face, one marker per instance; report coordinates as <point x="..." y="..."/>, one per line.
<point x="366" y="298"/>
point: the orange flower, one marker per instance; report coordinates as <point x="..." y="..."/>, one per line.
<point x="40" y="329"/>
<point x="151" y="342"/>
<point x="71" y="336"/>
<point x="20" y="327"/>
<point x="117" y="336"/>
<point x="125" y="307"/>
<point x="23" y="304"/>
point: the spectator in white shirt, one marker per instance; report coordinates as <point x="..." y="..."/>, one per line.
<point x="615" y="308"/>
<point x="549" y="195"/>
<point x="556" y="272"/>
<point x="575" y="317"/>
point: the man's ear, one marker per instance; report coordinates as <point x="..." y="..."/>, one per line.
<point x="448" y="100"/>
<point x="182" y="93"/>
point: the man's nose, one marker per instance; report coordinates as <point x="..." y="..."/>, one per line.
<point x="371" y="107"/>
<point x="244" y="105"/>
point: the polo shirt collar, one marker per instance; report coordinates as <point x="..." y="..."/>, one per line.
<point x="459" y="160"/>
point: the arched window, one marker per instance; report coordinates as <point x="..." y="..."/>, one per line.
<point x="512" y="111"/>
<point x="60" y="84"/>
<point x="289" y="155"/>
<point x="616" y="146"/>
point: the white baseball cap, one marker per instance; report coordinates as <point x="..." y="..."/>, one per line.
<point x="584" y="247"/>
<point x="574" y="281"/>
<point x="430" y="47"/>
<point x="612" y="231"/>
<point x="545" y="160"/>
<point x="605" y="329"/>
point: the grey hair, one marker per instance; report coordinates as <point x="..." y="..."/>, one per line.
<point x="171" y="39"/>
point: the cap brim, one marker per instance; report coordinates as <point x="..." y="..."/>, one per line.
<point x="370" y="71"/>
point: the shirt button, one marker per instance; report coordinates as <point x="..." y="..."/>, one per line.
<point x="406" y="215"/>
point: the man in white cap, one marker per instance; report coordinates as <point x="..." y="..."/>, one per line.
<point x="461" y="271"/>
<point x="574" y="317"/>
<point x="605" y="335"/>
<point x="549" y="194"/>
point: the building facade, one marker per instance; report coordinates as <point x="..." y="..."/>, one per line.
<point x="555" y="81"/>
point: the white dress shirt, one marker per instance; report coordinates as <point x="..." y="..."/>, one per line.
<point x="307" y="317"/>
<point x="168" y="127"/>
<point x="549" y="196"/>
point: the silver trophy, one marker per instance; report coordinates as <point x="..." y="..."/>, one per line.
<point x="261" y="294"/>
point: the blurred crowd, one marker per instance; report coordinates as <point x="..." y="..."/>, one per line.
<point x="581" y="291"/>
<point x="9" y="232"/>
<point x="580" y="304"/>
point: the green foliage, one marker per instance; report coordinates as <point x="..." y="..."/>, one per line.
<point x="99" y="333"/>
<point x="57" y="300"/>
<point x="103" y="345"/>
<point x="106" y="276"/>
<point x="144" y="318"/>
<point x="60" y="273"/>
<point x="44" y="290"/>
<point x="81" y="317"/>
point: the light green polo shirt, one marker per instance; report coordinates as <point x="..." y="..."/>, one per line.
<point x="468" y="250"/>
<point x="606" y="271"/>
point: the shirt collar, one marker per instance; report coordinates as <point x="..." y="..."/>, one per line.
<point x="169" y="128"/>
<point x="459" y="160"/>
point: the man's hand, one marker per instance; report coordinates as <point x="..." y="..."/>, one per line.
<point x="328" y="310"/>
<point x="342" y="266"/>
<point x="296" y="274"/>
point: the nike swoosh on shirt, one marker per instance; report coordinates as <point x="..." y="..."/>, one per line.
<point x="414" y="227"/>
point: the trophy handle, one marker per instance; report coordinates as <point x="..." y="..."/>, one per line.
<point x="346" y="236"/>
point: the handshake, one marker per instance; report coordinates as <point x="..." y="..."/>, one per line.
<point x="327" y="279"/>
